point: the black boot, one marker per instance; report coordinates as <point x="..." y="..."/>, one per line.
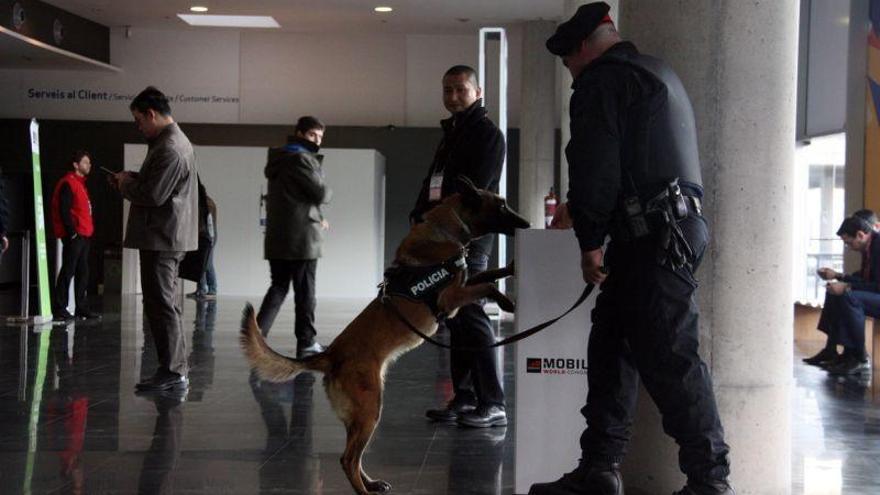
<point x="587" y="479"/>
<point x="710" y="487"/>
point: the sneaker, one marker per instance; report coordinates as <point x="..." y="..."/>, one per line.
<point x="823" y="356"/>
<point x="851" y="366"/>
<point x="309" y="350"/>
<point x="195" y="295"/>
<point x="586" y="479"/>
<point x="209" y="296"/>
<point x="484" y="417"/>
<point x="451" y="412"/>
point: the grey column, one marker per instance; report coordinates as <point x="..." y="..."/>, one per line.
<point x="563" y="78"/>
<point x="738" y="62"/>
<point x="537" y="121"/>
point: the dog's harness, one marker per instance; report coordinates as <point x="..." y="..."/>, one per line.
<point x="423" y="284"/>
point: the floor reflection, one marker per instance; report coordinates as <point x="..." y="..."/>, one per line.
<point x="288" y="453"/>
<point x="160" y="461"/>
<point x="71" y="423"/>
<point x="836" y="433"/>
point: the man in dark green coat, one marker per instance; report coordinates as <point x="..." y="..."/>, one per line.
<point x="295" y="230"/>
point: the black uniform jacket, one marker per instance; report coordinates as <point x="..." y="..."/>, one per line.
<point x="472" y="146"/>
<point x="632" y="129"/>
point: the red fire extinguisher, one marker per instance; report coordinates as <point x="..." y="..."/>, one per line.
<point x="549" y="208"/>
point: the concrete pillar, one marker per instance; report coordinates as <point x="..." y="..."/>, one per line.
<point x="563" y="78"/>
<point x="857" y="78"/>
<point x="738" y="63"/>
<point x="537" y="121"/>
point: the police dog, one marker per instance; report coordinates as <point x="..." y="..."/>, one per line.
<point x="355" y="362"/>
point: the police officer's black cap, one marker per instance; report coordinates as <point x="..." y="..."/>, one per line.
<point x="571" y="32"/>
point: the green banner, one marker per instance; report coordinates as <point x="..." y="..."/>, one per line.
<point x="45" y="308"/>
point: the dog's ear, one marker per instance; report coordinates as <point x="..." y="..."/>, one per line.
<point x="469" y="192"/>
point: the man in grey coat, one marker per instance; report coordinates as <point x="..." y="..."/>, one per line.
<point x="295" y="230"/>
<point x="162" y="225"/>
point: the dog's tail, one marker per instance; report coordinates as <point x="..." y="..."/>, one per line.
<point x="269" y="364"/>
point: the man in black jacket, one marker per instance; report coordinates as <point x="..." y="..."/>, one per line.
<point x="294" y="230"/>
<point x="474" y="147"/>
<point x="848" y="300"/>
<point x="635" y="175"/>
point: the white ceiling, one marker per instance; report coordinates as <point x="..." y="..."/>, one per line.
<point x="341" y="16"/>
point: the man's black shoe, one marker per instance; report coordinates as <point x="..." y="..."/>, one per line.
<point x="484" y="417"/>
<point x="851" y="366"/>
<point x="587" y="479"/>
<point x="62" y="317"/>
<point x="451" y="412"/>
<point x="87" y="315"/>
<point x="825" y="355"/>
<point x="831" y="363"/>
<point x="308" y="350"/>
<point x="165" y="381"/>
<point x="712" y="487"/>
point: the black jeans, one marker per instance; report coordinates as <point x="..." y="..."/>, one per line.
<point x="474" y="373"/>
<point x="645" y="325"/>
<point x="74" y="265"/>
<point x="302" y="274"/>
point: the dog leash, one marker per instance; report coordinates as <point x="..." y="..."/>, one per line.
<point x="509" y="340"/>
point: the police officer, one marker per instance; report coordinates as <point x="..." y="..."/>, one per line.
<point x="635" y="175"/>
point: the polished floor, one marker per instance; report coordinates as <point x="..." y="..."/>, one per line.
<point x="71" y="423"/>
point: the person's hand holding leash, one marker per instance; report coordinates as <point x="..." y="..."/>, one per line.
<point x="591" y="266"/>
<point x="561" y="219"/>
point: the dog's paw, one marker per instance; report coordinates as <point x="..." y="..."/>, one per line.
<point x="506" y="304"/>
<point x="378" y="486"/>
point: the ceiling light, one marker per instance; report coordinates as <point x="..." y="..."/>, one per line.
<point x="240" y="21"/>
<point x="198" y="8"/>
<point x="383" y="9"/>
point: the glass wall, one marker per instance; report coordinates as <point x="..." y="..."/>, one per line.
<point x="819" y="210"/>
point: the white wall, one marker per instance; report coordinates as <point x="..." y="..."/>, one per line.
<point x="352" y="262"/>
<point x="263" y="77"/>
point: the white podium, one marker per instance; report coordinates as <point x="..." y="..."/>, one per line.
<point x="551" y="380"/>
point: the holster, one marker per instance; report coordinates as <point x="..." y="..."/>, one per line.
<point x="659" y="217"/>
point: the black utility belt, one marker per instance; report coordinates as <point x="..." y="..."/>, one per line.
<point x="639" y="219"/>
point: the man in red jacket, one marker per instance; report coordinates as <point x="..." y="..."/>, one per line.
<point x="72" y="223"/>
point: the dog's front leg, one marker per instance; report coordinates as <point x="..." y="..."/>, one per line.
<point x="492" y="275"/>
<point x="454" y="297"/>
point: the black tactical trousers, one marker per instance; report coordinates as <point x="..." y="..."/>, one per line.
<point x="645" y="325"/>
<point x="474" y="373"/>
<point x="301" y="273"/>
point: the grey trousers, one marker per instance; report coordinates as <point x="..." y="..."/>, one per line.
<point x="159" y="284"/>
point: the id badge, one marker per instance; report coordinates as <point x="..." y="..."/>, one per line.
<point x="435" y="187"/>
